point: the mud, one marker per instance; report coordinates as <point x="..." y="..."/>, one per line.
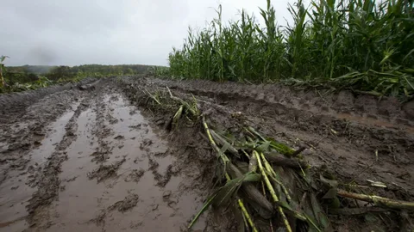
<point x="373" y="136"/>
<point x="102" y="160"/>
<point x="359" y="137"/>
<point x="92" y="163"/>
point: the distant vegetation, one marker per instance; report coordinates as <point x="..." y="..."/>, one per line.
<point x="363" y="45"/>
<point x="21" y="78"/>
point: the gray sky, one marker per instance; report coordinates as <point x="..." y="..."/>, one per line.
<point x="50" y="32"/>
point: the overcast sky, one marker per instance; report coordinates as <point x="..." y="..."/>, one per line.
<point x="51" y="32"/>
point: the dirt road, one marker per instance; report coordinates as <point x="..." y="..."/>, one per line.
<point x="73" y="160"/>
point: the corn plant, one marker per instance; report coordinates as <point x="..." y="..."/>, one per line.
<point x="365" y="45"/>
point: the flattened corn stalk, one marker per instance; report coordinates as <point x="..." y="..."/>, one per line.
<point x="378" y="201"/>
<point x="261" y="161"/>
<point x="225" y="161"/>
<point x="272" y="191"/>
<point x="224" y="158"/>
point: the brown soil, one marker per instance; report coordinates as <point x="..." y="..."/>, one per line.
<point x="102" y="159"/>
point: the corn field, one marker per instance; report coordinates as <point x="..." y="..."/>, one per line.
<point x="361" y="45"/>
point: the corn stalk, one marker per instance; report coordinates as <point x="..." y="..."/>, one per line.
<point x="361" y="45"/>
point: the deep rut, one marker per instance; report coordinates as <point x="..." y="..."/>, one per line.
<point x="101" y="167"/>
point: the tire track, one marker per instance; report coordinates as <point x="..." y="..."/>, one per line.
<point x="49" y="182"/>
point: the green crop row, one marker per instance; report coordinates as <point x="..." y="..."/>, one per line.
<point x="362" y="45"/>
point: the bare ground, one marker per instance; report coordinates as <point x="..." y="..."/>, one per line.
<point x="101" y="160"/>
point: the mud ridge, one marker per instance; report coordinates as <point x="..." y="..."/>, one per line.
<point x="128" y="203"/>
<point x="101" y="131"/>
<point x="106" y="171"/>
<point x="363" y="105"/>
<point x="341" y="116"/>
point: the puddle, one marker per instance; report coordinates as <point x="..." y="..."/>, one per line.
<point x="48" y="144"/>
<point x="18" y="224"/>
<point x="135" y="189"/>
<point x="3" y="145"/>
<point x="16" y="190"/>
<point x="77" y="194"/>
<point x="14" y="193"/>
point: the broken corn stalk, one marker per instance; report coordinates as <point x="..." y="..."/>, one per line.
<point x="272" y="192"/>
<point x="225" y="160"/>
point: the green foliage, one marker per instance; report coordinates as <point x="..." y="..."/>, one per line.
<point x="2" y="83"/>
<point x="29" y="77"/>
<point x="95" y="70"/>
<point x="361" y="45"/>
<point x="41" y="82"/>
<point x="159" y="71"/>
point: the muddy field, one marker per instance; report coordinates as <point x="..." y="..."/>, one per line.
<point x="101" y="159"/>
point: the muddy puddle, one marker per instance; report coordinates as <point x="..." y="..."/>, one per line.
<point x="18" y="188"/>
<point x="114" y="174"/>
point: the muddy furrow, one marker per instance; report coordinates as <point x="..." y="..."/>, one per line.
<point x="93" y="163"/>
<point x="384" y="123"/>
<point x="23" y="131"/>
<point x="111" y="172"/>
<point x="48" y="182"/>
<point x="391" y="140"/>
<point x="382" y="135"/>
<point x="386" y="112"/>
<point x="27" y="138"/>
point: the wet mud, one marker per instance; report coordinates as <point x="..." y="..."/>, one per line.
<point x="97" y="166"/>
<point x="373" y="136"/>
<point x="102" y="160"/>
<point x="359" y="137"/>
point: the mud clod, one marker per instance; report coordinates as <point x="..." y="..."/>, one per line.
<point x="153" y="164"/>
<point x="106" y="171"/>
<point x="128" y="203"/>
<point x="119" y="137"/>
<point x="135" y="175"/>
<point x="145" y="144"/>
<point x="166" y="194"/>
<point x="102" y="153"/>
<point x="99" y="220"/>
